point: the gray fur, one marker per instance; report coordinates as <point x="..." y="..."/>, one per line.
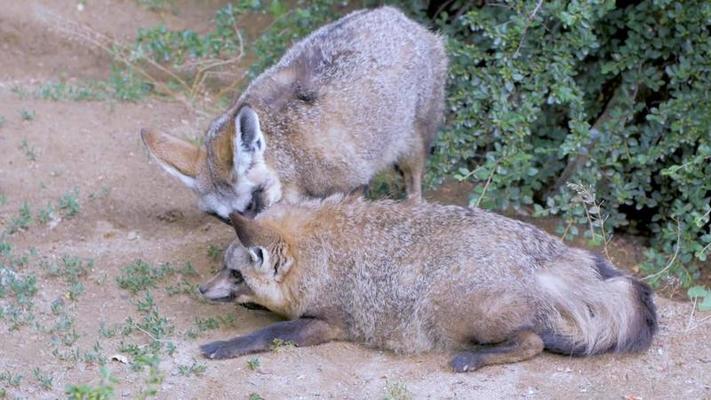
<point x="353" y="98"/>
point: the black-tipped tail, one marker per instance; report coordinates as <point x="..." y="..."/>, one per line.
<point x="645" y="325"/>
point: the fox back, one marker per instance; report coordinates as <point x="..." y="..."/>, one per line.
<point x="356" y="96"/>
<point x="414" y="277"/>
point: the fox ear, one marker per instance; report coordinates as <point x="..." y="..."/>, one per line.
<point x="256" y="238"/>
<point x="179" y="157"/>
<point x="248" y="140"/>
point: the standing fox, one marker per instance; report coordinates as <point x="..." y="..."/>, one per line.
<point x="413" y="277"/>
<point x="356" y="96"/>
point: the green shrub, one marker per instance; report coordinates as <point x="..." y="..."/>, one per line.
<point x="613" y="98"/>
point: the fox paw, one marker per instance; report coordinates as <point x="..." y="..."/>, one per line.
<point x="216" y="350"/>
<point x="465" y="362"/>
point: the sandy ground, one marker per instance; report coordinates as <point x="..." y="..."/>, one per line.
<point x="131" y="210"/>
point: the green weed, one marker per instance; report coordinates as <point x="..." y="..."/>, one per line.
<point x="195" y="368"/>
<point x="10" y="379"/>
<point x="396" y="391"/>
<point x="69" y="203"/>
<point x="46" y="214"/>
<point x="28" y="115"/>
<point x="44" y="379"/>
<point x="103" y="192"/>
<point x="108" y="332"/>
<point x="279" y="345"/>
<point x="29" y="150"/>
<point x="156" y="5"/>
<point x="103" y="391"/>
<point x="57" y="91"/>
<point x="214" y="252"/>
<point x="253" y="363"/>
<point x="701" y="295"/>
<point x="72" y="269"/>
<point x="140" y="276"/>
<point x="23" y="219"/>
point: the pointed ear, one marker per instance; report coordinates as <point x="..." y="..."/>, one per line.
<point x="251" y="233"/>
<point x="248" y="139"/>
<point x="178" y="157"/>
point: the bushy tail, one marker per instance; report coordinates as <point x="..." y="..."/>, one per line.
<point x="593" y="308"/>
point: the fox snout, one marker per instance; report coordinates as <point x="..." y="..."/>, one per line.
<point x="254" y="207"/>
<point x="222" y="286"/>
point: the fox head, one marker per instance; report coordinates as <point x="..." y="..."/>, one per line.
<point x="254" y="269"/>
<point x="229" y="173"/>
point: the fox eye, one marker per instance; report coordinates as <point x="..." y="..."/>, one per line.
<point x="259" y="255"/>
<point x="237" y="275"/>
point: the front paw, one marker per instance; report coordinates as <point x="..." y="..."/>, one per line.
<point x="217" y="350"/>
<point x="465" y="362"/>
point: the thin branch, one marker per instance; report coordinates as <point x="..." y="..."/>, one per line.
<point x="486" y="185"/>
<point x="676" y="253"/>
<point x="578" y="161"/>
<point x="149" y="334"/>
<point x="528" y="25"/>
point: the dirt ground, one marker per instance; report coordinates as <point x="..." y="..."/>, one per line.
<point x="131" y="210"/>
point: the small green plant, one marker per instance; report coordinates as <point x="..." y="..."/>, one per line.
<point x="125" y="85"/>
<point x="202" y="325"/>
<point x="3" y="200"/>
<point x="140" y="276"/>
<point x="29" y="150"/>
<point x="95" y="355"/>
<point x="255" y="396"/>
<point x="103" y="391"/>
<point x="156" y="5"/>
<point x="23" y="219"/>
<point x="72" y="270"/>
<point x="253" y="363"/>
<point x="69" y="203"/>
<point x="10" y="378"/>
<point x="214" y="252"/>
<point x="28" y="115"/>
<point x="108" y="332"/>
<point x="279" y="345"/>
<point x="2" y="121"/>
<point x="57" y="91"/>
<point x="46" y="214"/>
<point x="701" y="296"/>
<point x="396" y="391"/>
<point x="195" y="368"/>
<point x="57" y="306"/>
<point x="44" y="379"/>
<point x="103" y="192"/>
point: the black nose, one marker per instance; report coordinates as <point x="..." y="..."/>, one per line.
<point x="221" y="218"/>
<point x="202" y="289"/>
<point x="256" y="204"/>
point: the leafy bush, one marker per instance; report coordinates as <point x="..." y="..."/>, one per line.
<point x="613" y="97"/>
<point x="163" y="45"/>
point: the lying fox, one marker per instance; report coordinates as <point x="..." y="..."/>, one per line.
<point x="413" y="277"/>
<point x="357" y="96"/>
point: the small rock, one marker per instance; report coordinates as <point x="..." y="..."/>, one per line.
<point x="133" y="235"/>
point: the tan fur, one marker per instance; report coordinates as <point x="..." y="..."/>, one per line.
<point x="413" y="277"/>
<point x="355" y="97"/>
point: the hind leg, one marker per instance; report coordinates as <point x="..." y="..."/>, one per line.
<point x="412" y="167"/>
<point x="521" y="346"/>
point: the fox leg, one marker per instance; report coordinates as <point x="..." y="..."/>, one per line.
<point x="412" y="167"/>
<point x="521" y="346"/>
<point x="301" y="332"/>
